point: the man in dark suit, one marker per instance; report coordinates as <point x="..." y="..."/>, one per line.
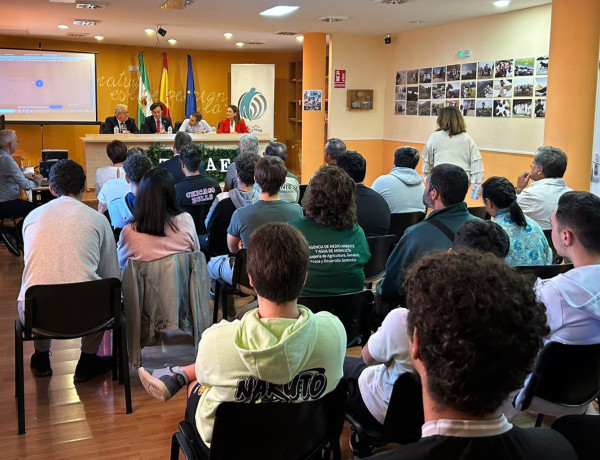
<point x="174" y="164"/>
<point x="121" y="121"/>
<point x="156" y="123"/>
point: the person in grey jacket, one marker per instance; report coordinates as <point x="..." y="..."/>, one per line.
<point x="402" y="188"/>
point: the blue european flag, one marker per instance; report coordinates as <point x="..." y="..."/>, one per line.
<point x="190" y="95"/>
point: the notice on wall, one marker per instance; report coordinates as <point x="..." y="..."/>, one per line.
<point x="339" y="78"/>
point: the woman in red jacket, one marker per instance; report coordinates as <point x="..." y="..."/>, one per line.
<point x="233" y="123"/>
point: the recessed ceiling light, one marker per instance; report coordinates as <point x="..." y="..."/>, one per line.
<point x="280" y="10"/>
<point x="501" y="3"/>
<point x="240" y="44"/>
<point x="149" y="31"/>
<point x="172" y="41"/>
<point x="99" y="37"/>
<point x="300" y="38"/>
<point x="228" y="35"/>
<point x="62" y="26"/>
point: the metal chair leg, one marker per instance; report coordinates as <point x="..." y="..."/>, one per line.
<point x="19" y="377"/>
<point x="125" y="366"/>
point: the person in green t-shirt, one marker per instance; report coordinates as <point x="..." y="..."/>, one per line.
<point x="338" y="246"/>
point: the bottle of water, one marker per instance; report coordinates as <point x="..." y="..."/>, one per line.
<point x="116" y="130"/>
<point x="170" y="130"/>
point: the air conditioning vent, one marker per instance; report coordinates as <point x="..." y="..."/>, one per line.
<point x="75" y="35"/>
<point x="91" y="6"/>
<point x="254" y="43"/>
<point x="332" y="19"/>
<point x="287" y="33"/>
<point x="391" y="2"/>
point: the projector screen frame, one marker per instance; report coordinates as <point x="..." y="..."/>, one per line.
<point x="59" y="122"/>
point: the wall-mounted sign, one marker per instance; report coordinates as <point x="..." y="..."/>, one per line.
<point x="339" y="78"/>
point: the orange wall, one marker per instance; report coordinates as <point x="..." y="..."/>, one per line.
<point x="117" y="85"/>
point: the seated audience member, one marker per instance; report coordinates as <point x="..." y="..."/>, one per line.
<point x="386" y="354"/>
<point x="121" y="209"/>
<point x="156" y="123"/>
<point x="195" y="124"/>
<point x="196" y="192"/>
<point x="333" y="148"/>
<point x="270" y="174"/>
<point x="159" y="227"/>
<point x="290" y="191"/>
<point x="115" y="188"/>
<point x="539" y="200"/>
<point x="173" y="165"/>
<point x="12" y="181"/>
<point x="121" y="121"/>
<point x="572" y="299"/>
<point x="528" y="244"/>
<point x="279" y="345"/>
<point x="233" y="123"/>
<point x="248" y="144"/>
<point x="372" y="211"/>
<point x="482" y="235"/>
<point x="66" y="241"/>
<point x="469" y="361"/>
<point x="244" y="195"/>
<point x="445" y="191"/>
<point x="403" y="187"/>
<point x="117" y="152"/>
<point x="338" y="247"/>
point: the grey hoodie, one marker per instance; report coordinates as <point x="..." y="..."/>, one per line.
<point x="402" y="188"/>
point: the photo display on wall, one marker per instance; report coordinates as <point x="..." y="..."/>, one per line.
<point x="503" y="88"/>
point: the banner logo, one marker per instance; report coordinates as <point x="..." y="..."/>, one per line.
<point x="252" y="105"/>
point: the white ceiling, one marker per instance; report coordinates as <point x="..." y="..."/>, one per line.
<point x="202" y="24"/>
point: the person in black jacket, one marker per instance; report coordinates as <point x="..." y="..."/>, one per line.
<point x="121" y="121"/>
<point x="156" y="123"/>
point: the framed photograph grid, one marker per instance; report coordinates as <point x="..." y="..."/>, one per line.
<point x="502" y="88"/>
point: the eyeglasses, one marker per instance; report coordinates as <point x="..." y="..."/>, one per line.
<point x="124" y="113"/>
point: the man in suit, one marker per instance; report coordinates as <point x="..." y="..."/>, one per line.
<point x="174" y="164"/>
<point x="156" y="123"/>
<point x="121" y="121"/>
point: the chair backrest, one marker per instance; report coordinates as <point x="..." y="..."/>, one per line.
<point x="177" y="126"/>
<point x="101" y="127"/>
<point x="217" y="235"/>
<point x="240" y="278"/>
<point x="297" y="430"/>
<point x="381" y="248"/>
<point x="72" y="310"/>
<point x="566" y="375"/>
<point x="556" y="259"/>
<point x="479" y="211"/>
<point x="400" y="221"/>
<point x="545" y="271"/>
<point x="301" y="194"/>
<point x="2" y="122"/>
<point x="404" y="416"/>
<point x="354" y="310"/>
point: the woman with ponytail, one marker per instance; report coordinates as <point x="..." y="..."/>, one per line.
<point x="528" y="245"/>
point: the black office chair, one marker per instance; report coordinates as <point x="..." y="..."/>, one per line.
<point x="198" y="213"/>
<point x="68" y="311"/>
<point x="302" y="192"/>
<point x="354" y="310"/>
<point x="567" y="376"/>
<point x="303" y="430"/>
<point x="11" y="235"/>
<point x="545" y="271"/>
<point x="402" y="423"/>
<point x="381" y="247"/>
<point x="400" y="221"/>
<point x="556" y="259"/>
<point x="582" y="432"/>
<point x="240" y="284"/>
<point x="101" y="127"/>
<point x="177" y="126"/>
<point x="479" y="211"/>
<point x="217" y="235"/>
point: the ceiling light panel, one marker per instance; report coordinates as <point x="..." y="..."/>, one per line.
<point x="278" y="11"/>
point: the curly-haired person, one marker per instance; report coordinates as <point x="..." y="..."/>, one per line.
<point x="338" y="246"/>
<point x="475" y="327"/>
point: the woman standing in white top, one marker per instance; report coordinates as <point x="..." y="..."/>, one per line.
<point x="451" y="143"/>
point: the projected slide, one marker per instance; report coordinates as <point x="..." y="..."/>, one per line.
<point x="47" y="86"/>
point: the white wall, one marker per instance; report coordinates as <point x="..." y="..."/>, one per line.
<point x="525" y="33"/>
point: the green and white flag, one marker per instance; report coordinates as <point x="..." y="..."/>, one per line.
<point x="144" y="94"/>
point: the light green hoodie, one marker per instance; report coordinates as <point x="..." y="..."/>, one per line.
<point x="268" y="359"/>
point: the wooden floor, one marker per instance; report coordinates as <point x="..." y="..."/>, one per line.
<point x="88" y="420"/>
